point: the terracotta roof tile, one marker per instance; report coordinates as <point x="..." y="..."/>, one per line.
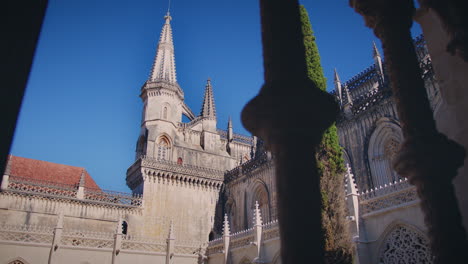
<point x="48" y="171"/>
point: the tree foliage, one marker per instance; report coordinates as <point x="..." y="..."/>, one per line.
<point x="338" y="246"/>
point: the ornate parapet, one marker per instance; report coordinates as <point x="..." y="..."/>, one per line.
<point x="85" y="239"/>
<point x="237" y="138"/>
<point x="161" y="87"/>
<point x="27" y="234"/>
<point x="172" y="171"/>
<point x="387" y="197"/>
<point x="244" y="238"/>
<point x="53" y="190"/>
<point x="248" y="167"/>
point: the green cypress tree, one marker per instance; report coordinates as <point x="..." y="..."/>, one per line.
<point x="338" y="246"/>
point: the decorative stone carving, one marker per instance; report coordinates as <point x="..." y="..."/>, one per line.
<point x="406" y="246"/>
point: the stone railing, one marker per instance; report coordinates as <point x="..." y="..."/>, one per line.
<point x="244" y="238"/>
<point x="27" y="234"/>
<point x="86" y="239"/>
<point x="239" y="138"/>
<point x="34" y="186"/>
<point x="29" y="186"/>
<point x="384" y="197"/>
<point x="271" y="230"/>
<point x="246" y="167"/>
<point x="190" y="124"/>
<point x="112" y="197"/>
<point x="143" y="244"/>
<point x="187" y="169"/>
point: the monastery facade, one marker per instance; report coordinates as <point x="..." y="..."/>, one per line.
<point x="205" y="195"/>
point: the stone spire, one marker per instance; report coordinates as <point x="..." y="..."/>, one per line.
<point x="338" y="87"/>
<point x="164" y="62"/>
<point x="208" y="107"/>
<point x="377" y="60"/>
<point x="375" y="50"/>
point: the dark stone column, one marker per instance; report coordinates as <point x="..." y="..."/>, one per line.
<point x="427" y="158"/>
<point x="290" y="114"/>
<point x="20" y="31"/>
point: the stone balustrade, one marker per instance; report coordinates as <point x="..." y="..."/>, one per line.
<point x="27" y="186"/>
<point x="392" y="195"/>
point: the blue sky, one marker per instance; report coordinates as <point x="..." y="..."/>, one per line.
<point x="82" y="104"/>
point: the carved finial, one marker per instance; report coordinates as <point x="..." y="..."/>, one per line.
<point x="257" y="215"/>
<point x="82" y="178"/>
<point x="171" y="231"/>
<point x="226" y="231"/>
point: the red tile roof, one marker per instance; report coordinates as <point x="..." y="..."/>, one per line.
<point x="48" y="171"/>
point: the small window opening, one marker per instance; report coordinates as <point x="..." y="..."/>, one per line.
<point x="124" y="227"/>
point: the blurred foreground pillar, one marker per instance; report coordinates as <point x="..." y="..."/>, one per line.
<point x="290" y="114"/>
<point x="20" y="33"/>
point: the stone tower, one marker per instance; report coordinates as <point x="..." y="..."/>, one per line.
<point x="179" y="167"/>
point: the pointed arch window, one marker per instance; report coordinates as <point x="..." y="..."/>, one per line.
<point x="383" y="146"/>
<point x="260" y="195"/>
<point x="163" y="148"/>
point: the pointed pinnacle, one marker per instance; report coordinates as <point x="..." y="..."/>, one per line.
<point x="82" y="178"/>
<point x="375" y="50"/>
<point x="337" y="78"/>
<point x="257" y="215"/>
<point x="208" y="107"/>
<point x="226" y="226"/>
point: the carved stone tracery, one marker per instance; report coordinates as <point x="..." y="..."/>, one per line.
<point x="406" y="246"/>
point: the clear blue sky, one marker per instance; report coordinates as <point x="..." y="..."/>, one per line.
<point x="82" y="104"/>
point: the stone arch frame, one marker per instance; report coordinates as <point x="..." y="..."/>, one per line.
<point x="421" y="238"/>
<point x="17" y="260"/>
<point x="383" y="142"/>
<point x="163" y="147"/>
<point x="259" y="192"/>
<point x="232" y="213"/>
<point x="346" y="157"/>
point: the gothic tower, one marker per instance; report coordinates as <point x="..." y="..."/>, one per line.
<point x="179" y="167"/>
